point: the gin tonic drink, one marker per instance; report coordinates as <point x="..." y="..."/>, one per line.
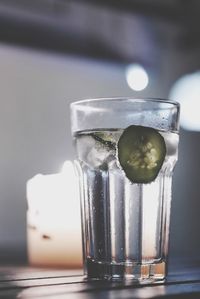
<point x="127" y="150"/>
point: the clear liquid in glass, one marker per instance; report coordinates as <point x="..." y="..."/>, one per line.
<point x="126" y="225"/>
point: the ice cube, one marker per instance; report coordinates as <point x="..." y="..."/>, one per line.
<point x="98" y="155"/>
<point x="93" y="152"/>
<point x="84" y="145"/>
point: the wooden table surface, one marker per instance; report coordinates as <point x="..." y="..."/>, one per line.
<point x="32" y="282"/>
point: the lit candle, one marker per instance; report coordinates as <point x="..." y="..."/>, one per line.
<point x="53" y="219"/>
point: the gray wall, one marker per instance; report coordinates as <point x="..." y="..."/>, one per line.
<point x="36" y="89"/>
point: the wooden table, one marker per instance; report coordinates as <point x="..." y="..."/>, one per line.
<point x="31" y="282"/>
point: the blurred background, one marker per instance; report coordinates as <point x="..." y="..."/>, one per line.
<point x="53" y="52"/>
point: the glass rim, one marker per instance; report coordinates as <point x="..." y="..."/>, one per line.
<point x="126" y="99"/>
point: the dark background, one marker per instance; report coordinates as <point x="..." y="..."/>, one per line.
<point x="53" y="52"/>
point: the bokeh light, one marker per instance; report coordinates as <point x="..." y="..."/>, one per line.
<point x="137" y="77"/>
<point x="187" y="92"/>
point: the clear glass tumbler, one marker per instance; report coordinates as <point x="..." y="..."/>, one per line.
<point x="127" y="150"/>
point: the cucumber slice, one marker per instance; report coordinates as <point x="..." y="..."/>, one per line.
<point x="105" y="138"/>
<point x="141" y="153"/>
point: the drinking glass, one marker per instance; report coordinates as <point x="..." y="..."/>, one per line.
<point x="127" y="150"/>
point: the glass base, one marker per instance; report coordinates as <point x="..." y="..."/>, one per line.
<point x="136" y="273"/>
